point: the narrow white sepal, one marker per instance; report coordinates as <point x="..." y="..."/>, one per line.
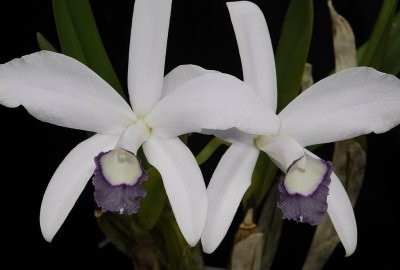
<point x="341" y="213"/>
<point x="255" y="49"/>
<point x="342" y="216"/>
<point x="183" y="183"/>
<point x="230" y="180"/>
<point x="68" y="182"/>
<point x="147" y="51"/>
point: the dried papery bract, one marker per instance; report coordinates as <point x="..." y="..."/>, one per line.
<point x="247" y="249"/>
<point x="343" y="41"/>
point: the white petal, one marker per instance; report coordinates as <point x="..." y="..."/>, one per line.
<point x="255" y="49"/>
<point x="341" y="212"/>
<point x="212" y="101"/>
<point x="180" y="75"/>
<point x="68" y="181"/>
<point x="282" y="150"/>
<point x="60" y="90"/>
<point x="228" y="184"/>
<point x="183" y="183"/>
<point x="233" y="135"/>
<point x="347" y="104"/>
<point x="147" y="53"/>
<point x="342" y="216"/>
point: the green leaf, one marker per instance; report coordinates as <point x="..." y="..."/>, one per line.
<point x="44" y="44"/>
<point x="391" y="63"/>
<point x="374" y="53"/>
<point x="361" y="51"/>
<point x="292" y="52"/>
<point x="262" y="179"/>
<point x="153" y="204"/>
<point x="80" y="39"/>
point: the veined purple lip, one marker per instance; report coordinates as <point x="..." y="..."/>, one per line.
<point x="117" y="180"/>
<point x="308" y="208"/>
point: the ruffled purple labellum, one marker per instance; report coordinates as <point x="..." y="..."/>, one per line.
<point x="304" y="191"/>
<point x="117" y="179"/>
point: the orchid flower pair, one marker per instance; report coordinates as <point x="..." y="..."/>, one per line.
<point x="60" y="90"/>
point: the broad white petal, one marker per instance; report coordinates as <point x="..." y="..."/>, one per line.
<point x="255" y="49"/>
<point x="147" y="50"/>
<point x="68" y="181"/>
<point x="59" y="90"/>
<point x="233" y="135"/>
<point x="212" y="101"/>
<point x="282" y="150"/>
<point x="180" y="75"/>
<point x="342" y="215"/>
<point x="347" y="104"/>
<point x="183" y="183"/>
<point x="228" y="184"/>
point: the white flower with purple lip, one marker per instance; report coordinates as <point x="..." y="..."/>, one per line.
<point x="345" y="105"/>
<point x="60" y="90"/>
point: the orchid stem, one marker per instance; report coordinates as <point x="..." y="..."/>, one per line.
<point x="209" y="150"/>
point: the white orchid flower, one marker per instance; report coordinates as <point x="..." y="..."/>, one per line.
<point x="59" y="90"/>
<point x="342" y="106"/>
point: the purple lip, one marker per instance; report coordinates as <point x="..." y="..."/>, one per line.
<point x="307" y="209"/>
<point x="123" y="198"/>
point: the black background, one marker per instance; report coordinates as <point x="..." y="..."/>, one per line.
<point x="200" y="33"/>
